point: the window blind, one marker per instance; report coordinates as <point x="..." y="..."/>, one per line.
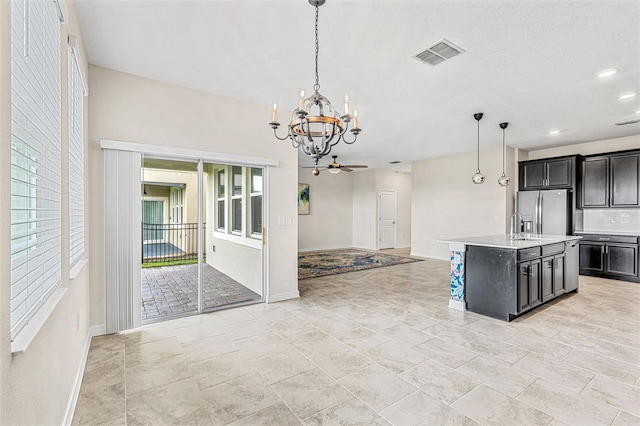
<point x="76" y="161"/>
<point x="35" y="157"/>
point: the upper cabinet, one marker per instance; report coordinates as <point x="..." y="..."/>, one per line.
<point x="611" y="181"/>
<point x="549" y="173"/>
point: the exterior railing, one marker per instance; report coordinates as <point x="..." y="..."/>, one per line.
<point x="165" y="242"/>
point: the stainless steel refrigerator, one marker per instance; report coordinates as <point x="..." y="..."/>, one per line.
<point x="545" y="212"/>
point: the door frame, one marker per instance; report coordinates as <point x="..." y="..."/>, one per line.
<point x="171" y="153"/>
<point x="395" y="218"/>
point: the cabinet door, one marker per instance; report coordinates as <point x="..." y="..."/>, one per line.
<point x="533" y="175"/>
<point x="591" y="256"/>
<point x="558" y="275"/>
<point x="547" y="278"/>
<point x="535" y="283"/>
<point x="523" y="286"/>
<point x="595" y="182"/>
<point x="625" y="171"/>
<point x="622" y="259"/>
<point x="559" y="173"/>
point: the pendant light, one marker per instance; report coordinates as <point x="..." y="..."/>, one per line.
<point x="478" y="177"/>
<point x="504" y="179"/>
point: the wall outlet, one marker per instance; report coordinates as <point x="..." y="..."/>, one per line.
<point x="285" y="221"/>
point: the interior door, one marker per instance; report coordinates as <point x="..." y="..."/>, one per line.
<point x="386" y="219"/>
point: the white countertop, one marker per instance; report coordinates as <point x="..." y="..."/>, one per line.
<point x="623" y="233"/>
<point x="504" y="241"/>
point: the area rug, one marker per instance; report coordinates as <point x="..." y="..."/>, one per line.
<point x="322" y="263"/>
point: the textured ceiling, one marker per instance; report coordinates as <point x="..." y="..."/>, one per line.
<point x="532" y="64"/>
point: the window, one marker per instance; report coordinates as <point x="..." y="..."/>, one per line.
<point x="256" y="201"/>
<point x="176" y="200"/>
<point x="35" y="157"/>
<point x="221" y="199"/>
<point x="236" y="200"/>
<point x="244" y="200"/>
<point x="76" y="161"/>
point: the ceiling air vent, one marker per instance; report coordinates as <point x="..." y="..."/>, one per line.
<point x="395" y="162"/>
<point x="624" y="123"/>
<point x="439" y="52"/>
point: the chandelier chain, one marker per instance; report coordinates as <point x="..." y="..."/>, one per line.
<point x="316" y="87"/>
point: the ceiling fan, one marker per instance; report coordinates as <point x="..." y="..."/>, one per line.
<point x="335" y="167"/>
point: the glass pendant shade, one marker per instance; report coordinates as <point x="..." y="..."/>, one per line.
<point x="478" y="177"/>
<point x="504" y="180"/>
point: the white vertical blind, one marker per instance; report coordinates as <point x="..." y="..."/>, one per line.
<point x="35" y="157"/>
<point x="76" y="161"/>
<point x="122" y="239"/>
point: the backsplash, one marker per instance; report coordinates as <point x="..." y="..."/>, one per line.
<point x="621" y="220"/>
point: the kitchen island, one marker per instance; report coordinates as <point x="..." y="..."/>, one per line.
<point x="503" y="278"/>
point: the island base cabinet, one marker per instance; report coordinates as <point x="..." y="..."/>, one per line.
<point x="504" y="283"/>
<point x="529" y="285"/>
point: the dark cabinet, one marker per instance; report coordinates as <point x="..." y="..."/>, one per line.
<point x="622" y="259"/>
<point x="609" y="257"/>
<point x="552" y="277"/>
<point x="625" y="177"/>
<point x="547" y="174"/>
<point x="558" y="275"/>
<point x="610" y="181"/>
<point x="529" y="283"/>
<point x="595" y="182"/>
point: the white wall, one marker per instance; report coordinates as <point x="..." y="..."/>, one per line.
<point x="447" y="204"/>
<point x="329" y="224"/>
<point x="597" y="147"/>
<point x="135" y="109"/>
<point x="36" y="386"/>
<point x="237" y="261"/>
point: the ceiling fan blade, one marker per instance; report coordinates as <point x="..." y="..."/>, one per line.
<point x="345" y="169"/>
<point x="355" y="166"/>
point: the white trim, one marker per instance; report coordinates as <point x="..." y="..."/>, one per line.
<point x="191" y="154"/>
<point x="77" y="268"/>
<point x="457" y="305"/>
<point x="279" y="297"/>
<point x="73" y="45"/>
<point x="33" y="326"/>
<point x="98" y="330"/>
<point x="306" y="250"/>
<point x="428" y="256"/>
<point x="75" y="391"/>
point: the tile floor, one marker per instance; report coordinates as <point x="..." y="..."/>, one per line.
<point x="376" y="347"/>
<point x="173" y="290"/>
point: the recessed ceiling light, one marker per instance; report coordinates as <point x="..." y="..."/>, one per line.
<point x="627" y="95"/>
<point x="554" y="132"/>
<point x="638" y="111"/>
<point x="607" y="73"/>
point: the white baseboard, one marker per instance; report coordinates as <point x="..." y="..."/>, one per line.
<point x="457" y="305"/>
<point x="71" y="407"/>
<point x="271" y="298"/>
<point x="98" y="330"/>
<point x="309" y="249"/>
<point x="428" y="256"/>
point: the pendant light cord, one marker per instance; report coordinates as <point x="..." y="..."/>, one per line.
<point x="478" y="169"/>
<point x="316" y="87"/>
<point x="504" y="154"/>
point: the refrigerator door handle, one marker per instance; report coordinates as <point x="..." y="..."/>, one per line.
<point x="538" y="214"/>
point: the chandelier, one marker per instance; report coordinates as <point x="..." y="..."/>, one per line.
<point x="316" y="126"/>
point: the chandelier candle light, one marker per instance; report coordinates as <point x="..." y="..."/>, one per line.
<point x="315" y="126"/>
<point x="478" y="177"/>
<point x="504" y="179"/>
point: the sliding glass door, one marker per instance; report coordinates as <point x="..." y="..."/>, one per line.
<point x="201" y="237"/>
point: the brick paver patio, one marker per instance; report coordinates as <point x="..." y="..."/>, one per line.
<point x="173" y="290"/>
